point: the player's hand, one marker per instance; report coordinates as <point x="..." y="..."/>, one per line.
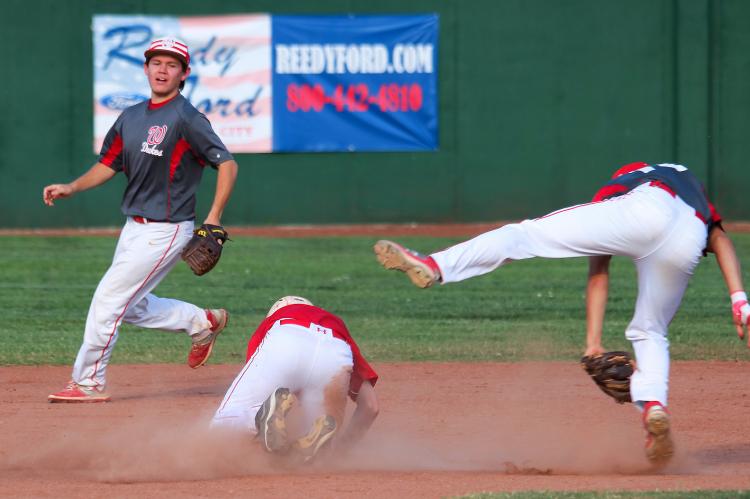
<point x="593" y="351"/>
<point x="212" y="220"/>
<point x="56" y="191"/>
<point x="741" y="313"/>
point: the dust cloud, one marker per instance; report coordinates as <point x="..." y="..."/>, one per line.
<point x="153" y="448"/>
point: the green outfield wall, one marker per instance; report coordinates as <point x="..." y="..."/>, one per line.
<point x="540" y="100"/>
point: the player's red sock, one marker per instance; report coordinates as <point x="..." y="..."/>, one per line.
<point x="211" y="319"/>
<point x="433" y="265"/>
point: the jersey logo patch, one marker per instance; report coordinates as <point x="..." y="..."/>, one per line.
<point x="156" y="135"/>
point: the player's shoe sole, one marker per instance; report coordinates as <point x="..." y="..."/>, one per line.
<point x="659" y="444"/>
<point x="394" y="256"/>
<point x="321" y="433"/>
<point x="271" y="420"/>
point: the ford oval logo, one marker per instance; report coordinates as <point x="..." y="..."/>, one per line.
<point x="121" y="101"/>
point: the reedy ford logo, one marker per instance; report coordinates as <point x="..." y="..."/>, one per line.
<point x="121" y="100"/>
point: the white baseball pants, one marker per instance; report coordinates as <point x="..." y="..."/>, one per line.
<point x="144" y="255"/>
<point x="310" y="362"/>
<point x="660" y="233"/>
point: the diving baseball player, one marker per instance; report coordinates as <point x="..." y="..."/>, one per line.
<point x="658" y="216"/>
<point x="300" y="356"/>
<point x="161" y="146"/>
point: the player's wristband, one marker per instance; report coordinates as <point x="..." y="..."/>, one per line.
<point x="740" y="308"/>
<point x="738" y="296"/>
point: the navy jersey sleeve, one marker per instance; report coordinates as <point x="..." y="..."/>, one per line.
<point x="111" y="154"/>
<point x="204" y="141"/>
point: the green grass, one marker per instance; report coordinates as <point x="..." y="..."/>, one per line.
<point x="696" y="494"/>
<point x="530" y="310"/>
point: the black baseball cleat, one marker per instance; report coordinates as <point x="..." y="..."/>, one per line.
<point x="320" y="435"/>
<point x="270" y="420"/>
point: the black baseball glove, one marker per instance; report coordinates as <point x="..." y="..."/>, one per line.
<point x="203" y="251"/>
<point x="611" y="372"/>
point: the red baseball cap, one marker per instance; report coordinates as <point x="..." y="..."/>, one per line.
<point x="630" y="167"/>
<point x="170" y="46"/>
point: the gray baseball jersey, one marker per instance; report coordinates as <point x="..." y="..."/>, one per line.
<point x="162" y="150"/>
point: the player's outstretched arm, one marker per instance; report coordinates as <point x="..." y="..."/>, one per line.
<point x="364" y="414"/>
<point x="721" y="245"/>
<point x="596" y="303"/>
<point x="97" y="175"/>
<point x="224" y="185"/>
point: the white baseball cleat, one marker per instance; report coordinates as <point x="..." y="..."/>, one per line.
<point x="659" y="444"/>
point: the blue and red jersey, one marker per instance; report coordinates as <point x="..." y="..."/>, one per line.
<point x="675" y="179"/>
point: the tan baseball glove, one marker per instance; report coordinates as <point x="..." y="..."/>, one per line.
<point x="203" y="251"/>
<point x="611" y="372"/>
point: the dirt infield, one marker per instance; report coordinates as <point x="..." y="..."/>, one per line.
<point x="444" y="429"/>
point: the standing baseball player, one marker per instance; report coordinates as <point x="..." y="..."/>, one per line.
<point x="161" y="146"/>
<point x="656" y="215"/>
<point x="303" y="356"/>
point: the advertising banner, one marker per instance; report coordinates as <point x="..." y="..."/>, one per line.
<point x="229" y="82"/>
<point x="355" y="83"/>
<point x="285" y="83"/>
